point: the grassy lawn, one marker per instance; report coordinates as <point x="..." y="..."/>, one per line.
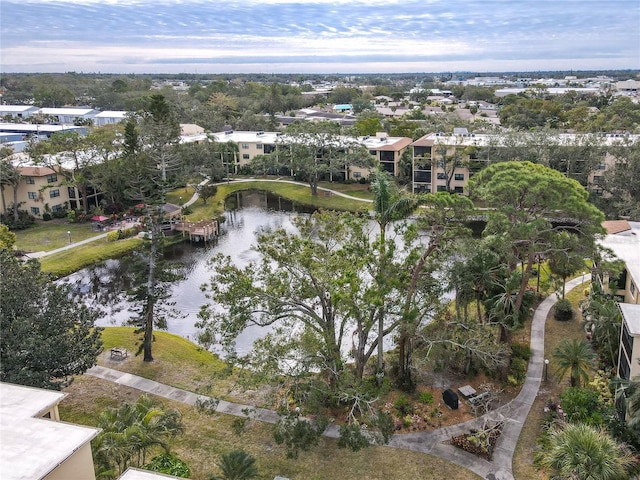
<point x="554" y="333"/>
<point x="69" y="261"/>
<point x="298" y="193"/>
<point x="183" y="364"/>
<point x="47" y="236"/>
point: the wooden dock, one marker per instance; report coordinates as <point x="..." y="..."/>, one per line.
<point x="202" y="231"/>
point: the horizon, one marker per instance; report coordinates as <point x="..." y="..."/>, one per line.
<point x="325" y="37"/>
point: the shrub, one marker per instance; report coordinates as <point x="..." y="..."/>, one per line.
<point x="169" y="464"/>
<point x="46" y="216"/>
<point x="403" y="406"/>
<point x="518" y="370"/>
<point x="562" y="310"/>
<point x="113" y="236"/>
<point x="521" y="350"/>
<point x="25" y="219"/>
<point x="426" y="398"/>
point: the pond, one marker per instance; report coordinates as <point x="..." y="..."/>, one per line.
<point x="247" y="213"/>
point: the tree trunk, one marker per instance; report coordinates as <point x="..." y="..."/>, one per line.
<point x="526" y="274"/>
<point x="4" y="203"/>
<point x="16" y="217"/>
<point x="150" y="300"/>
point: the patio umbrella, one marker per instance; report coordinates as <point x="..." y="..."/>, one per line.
<point x="99" y="218"/>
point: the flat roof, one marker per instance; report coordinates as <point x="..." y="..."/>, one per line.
<point x="137" y="474"/>
<point x="38" y="128"/>
<point x="112" y="114"/>
<point x="631" y="315"/>
<point x="17" y="108"/>
<point x="32" y="447"/>
<point x="68" y="111"/>
<point x="626" y="246"/>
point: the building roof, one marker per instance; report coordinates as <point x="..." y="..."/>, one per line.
<point x="616" y="226"/>
<point x="138" y="474"/>
<point x="631" y="315"/>
<point x="78" y="112"/>
<point x="386" y="143"/>
<point x="17" y="108"/>
<point x="112" y="114"/>
<point x="626" y="246"/>
<point x="32" y="447"/>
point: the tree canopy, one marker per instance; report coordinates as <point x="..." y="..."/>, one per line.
<point x="47" y="337"/>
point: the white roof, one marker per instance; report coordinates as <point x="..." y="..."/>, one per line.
<point x="246" y="137"/>
<point x="631" y="315"/>
<point x="112" y="114"/>
<point x="17" y="108"/>
<point x="31" y="447"/>
<point x="68" y="111"/>
<point x="626" y="246"/>
<point x="137" y="474"/>
<point x="569" y="139"/>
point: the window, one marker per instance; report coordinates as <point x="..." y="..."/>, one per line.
<point x="35" y="211"/>
<point x="442" y="188"/>
<point x="442" y="176"/>
<point x="29" y="180"/>
<point x="357" y="175"/>
<point x="54" y="193"/>
<point x="33" y="195"/>
<point x="245" y="156"/>
<point x="245" y="146"/>
<point x="259" y="146"/>
<point x="602" y="166"/>
<point x="72" y="192"/>
<point x="52" y="178"/>
<point x="632" y="288"/>
<point x="440" y="163"/>
<point x="459" y="176"/>
<point x="458" y="189"/>
<point x="57" y="208"/>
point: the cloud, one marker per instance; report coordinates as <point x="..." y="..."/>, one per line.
<point x="338" y="32"/>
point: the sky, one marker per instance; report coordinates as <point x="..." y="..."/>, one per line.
<point x="318" y="36"/>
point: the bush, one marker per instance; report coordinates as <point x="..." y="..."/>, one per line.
<point x="46" y="216"/>
<point x="169" y="464"/>
<point x="518" y="370"/>
<point x="25" y="219"/>
<point x="113" y="236"/>
<point x="562" y="310"/>
<point x="521" y="350"/>
<point x="426" y="398"/>
<point x="403" y="406"/>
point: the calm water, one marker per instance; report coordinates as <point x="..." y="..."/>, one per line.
<point x="247" y="214"/>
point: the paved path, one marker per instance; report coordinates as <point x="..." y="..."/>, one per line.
<point x="514" y="413"/>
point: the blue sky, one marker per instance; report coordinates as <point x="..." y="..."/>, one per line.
<point x="318" y="36"/>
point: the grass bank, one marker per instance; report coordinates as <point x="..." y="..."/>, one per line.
<point x="66" y="262"/>
<point x="181" y="363"/>
<point x="299" y="193"/>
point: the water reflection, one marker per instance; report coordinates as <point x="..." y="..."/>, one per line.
<point x="247" y="213"/>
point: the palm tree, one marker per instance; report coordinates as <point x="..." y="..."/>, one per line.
<point x="389" y="205"/>
<point x="576" y="358"/>
<point x="129" y="431"/>
<point x="236" y="465"/>
<point x="583" y="452"/>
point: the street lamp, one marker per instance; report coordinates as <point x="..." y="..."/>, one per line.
<point x="69" y="236"/>
<point x="546" y="369"/>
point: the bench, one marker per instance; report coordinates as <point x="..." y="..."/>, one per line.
<point x="119" y="353"/>
<point x="477" y="398"/>
<point x="467" y="391"/>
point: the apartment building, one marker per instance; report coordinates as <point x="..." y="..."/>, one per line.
<point x="36" y="445"/>
<point x="42" y="189"/>
<point x="445" y="162"/>
<point x="386" y="149"/>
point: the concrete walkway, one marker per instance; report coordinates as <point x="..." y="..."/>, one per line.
<point x="433" y="442"/>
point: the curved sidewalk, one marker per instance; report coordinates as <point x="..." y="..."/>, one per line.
<point x="434" y="442"/>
